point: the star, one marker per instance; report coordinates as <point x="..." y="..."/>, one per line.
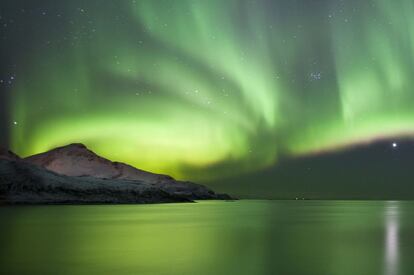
<point x="15" y="122"/>
<point x="315" y="76"/>
<point x="394" y="145"/>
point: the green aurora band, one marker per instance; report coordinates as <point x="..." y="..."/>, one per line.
<point x="207" y="89"/>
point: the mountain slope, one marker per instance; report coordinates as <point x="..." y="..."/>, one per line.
<point x="22" y="182"/>
<point x="7" y="154"/>
<point x="77" y="160"/>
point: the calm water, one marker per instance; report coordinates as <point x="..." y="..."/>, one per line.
<point x="243" y="237"/>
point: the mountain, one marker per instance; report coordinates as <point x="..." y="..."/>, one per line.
<point x="75" y="174"/>
<point x="77" y="160"/>
<point x="25" y="183"/>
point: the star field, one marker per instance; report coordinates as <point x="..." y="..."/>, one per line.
<point x="205" y="89"/>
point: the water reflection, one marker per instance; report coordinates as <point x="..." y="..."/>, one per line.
<point x="244" y="237"/>
<point x="391" y="238"/>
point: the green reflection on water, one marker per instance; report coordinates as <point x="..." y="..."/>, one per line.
<point x="243" y="237"/>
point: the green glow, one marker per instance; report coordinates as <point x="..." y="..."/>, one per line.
<point x="205" y="89"/>
<point x="245" y="237"/>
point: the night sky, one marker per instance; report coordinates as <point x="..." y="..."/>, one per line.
<point x="234" y="93"/>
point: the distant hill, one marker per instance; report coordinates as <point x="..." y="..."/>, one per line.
<point x="77" y="160"/>
<point x="74" y="174"/>
<point x="24" y="183"/>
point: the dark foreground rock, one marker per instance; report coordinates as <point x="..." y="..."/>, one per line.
<point x="29" y="182"/>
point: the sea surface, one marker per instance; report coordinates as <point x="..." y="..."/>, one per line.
<point x="210" y="238"/>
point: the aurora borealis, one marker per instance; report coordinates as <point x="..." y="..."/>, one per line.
<point x="206" y="89"/>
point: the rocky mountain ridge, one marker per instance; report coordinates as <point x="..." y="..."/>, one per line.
<point x="75" y="174"/>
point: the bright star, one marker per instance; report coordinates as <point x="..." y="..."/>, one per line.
<point x="394" y="145"/>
